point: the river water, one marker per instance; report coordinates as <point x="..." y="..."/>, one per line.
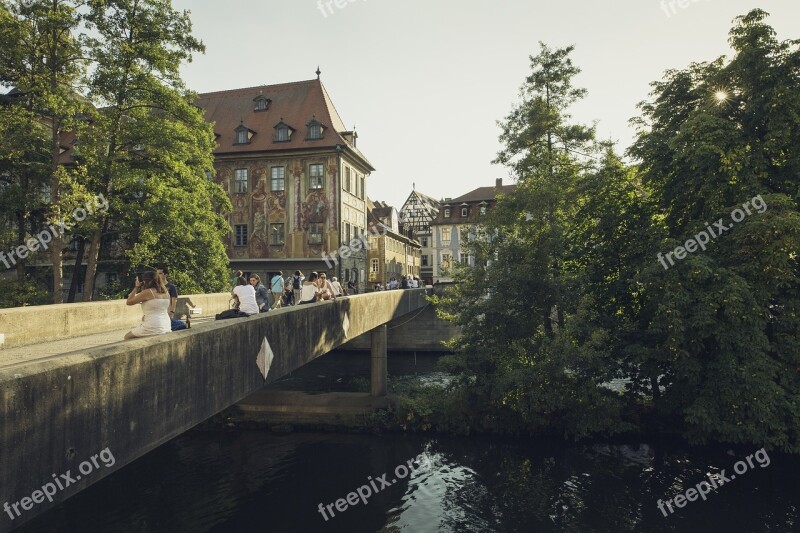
<point x="259" y="481"/>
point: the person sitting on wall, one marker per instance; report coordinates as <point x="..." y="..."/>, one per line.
<point x="337" y="287"/>
<point x="152" y="294"/>
<point x="310" y="291"/>
<point x="327" y="292"/>
<point x="262" y="294"/>
<point x="247" y="296"/>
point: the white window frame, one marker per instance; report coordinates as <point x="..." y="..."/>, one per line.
<point x="238" y="181"/>
<point x="312" y="184"/>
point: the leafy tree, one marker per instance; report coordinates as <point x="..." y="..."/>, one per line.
<point x="149" y="147"/>
<point x="718" y="134"/>
<point x="41" y="57"/>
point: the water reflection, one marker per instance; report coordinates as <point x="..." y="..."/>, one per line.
<point x="232" y="481"/>
<point x="258" y="481"/>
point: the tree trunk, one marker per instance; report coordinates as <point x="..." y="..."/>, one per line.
<point x="76" y="271"/>
<point x="92" y="260"/>
<point x="21" y="223"/>
<point x="656" y="392"/>
<point x="57" y="245"/>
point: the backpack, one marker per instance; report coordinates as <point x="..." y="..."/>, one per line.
<point x="296" y="282"/>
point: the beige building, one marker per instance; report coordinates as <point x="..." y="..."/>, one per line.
<point x="391" y="254"/>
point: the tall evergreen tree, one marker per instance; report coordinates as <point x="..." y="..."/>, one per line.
<point x="515" y="357"/>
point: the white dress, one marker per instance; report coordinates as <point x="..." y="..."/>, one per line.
<point x="156" y="319"/>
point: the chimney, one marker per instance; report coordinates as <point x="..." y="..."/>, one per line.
<point x="498" y="182"/>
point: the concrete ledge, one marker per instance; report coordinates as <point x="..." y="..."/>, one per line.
<point x="421" y="331"/>
<point x="23" y="326"/>
<point x="268" y="401"/>
<point x="348" y="409"/>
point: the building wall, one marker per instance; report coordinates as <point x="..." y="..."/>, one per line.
<point x="394" y="258"/>
<point x="313" y="219"/>
<point x="442" y="248"/>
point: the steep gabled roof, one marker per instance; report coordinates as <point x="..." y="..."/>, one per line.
<point x="296" y="104"/>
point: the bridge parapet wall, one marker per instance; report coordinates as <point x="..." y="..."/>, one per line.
<point x="23" y="326"/>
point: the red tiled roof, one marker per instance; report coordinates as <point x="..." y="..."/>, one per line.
<point x="482" y="193"/>
<point x="473" y="199"/>
<point x="296" y="104"/>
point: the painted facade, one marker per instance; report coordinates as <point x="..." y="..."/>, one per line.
<point x="295" y="178"/>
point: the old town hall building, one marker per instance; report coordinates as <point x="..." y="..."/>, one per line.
<point x="294" y="175"/>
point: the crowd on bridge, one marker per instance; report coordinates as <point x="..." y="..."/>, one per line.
<point x="296" y="289"/>
<point x="249" y="296"/>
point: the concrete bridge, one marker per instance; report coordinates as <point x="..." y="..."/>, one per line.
<point x="66" y="394"/>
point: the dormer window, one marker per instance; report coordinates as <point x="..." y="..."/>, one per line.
<point x="283" y="132"/>
<point x="446" y="212"/>
<point x="464" y="211"/>
<point x="243" y="135"/>
<point x="315" y="129"/>
<point x="261" y="103"/>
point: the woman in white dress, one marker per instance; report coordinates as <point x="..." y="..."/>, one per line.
<point x="247" y="296"/>
<point x="310" y="290"/>
<point x="152" y="293"/>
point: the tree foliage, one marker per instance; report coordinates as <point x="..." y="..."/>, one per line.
<point x="568" y="294"/>
<point x="107" y="73"/>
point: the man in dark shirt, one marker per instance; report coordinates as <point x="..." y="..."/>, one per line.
<point x="171" y="289"/>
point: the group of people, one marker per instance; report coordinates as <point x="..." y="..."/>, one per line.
<point x="406" y="282"/>
<point x="296" y="289"/>
<point x="158" y="298"/>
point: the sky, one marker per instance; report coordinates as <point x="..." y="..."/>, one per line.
<point x="425" y="82"/>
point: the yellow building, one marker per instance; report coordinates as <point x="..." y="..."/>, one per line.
<point x="391" y="254"/>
